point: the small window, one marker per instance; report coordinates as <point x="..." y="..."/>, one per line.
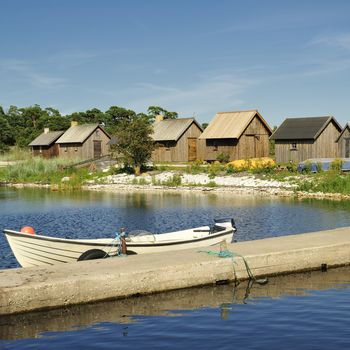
<point x="293" y="146"/>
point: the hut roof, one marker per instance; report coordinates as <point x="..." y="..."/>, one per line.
<point x="46" y="139"/>
<point x="306" y="128"/>
<point x="172" y="129"/>
<point x="79" y="133"/>
<point x="231" y="125"/>
<point x="346" y="127"/>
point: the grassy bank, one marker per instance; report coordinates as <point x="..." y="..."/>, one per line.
<point x="61" y="175"/>
<point x="55" y="172"/>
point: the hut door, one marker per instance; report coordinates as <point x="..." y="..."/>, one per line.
<point x="97" y="149"/>
<point x="250" y="151"/>
<point x="192" y="149"/>
<point x="347" y="147"/>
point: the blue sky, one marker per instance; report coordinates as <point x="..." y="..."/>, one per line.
<point x="196" y="57"/>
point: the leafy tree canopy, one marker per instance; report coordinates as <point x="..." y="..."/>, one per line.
<point x="153" y="111"/>
<point x="20" y="126"/>
<point x="134" y="144"/>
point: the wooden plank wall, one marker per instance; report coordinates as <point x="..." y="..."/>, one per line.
<point x="46" y="151"/>
<point x="253" y="143"/>
<point x="171" y="151"/>
<point x="85" y="150"/>
<point x="324" y="146"/>
<point x="341" y="143"/>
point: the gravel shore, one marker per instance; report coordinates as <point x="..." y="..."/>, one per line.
<point x="242" y="184"/>
<point x="238" y="183"/>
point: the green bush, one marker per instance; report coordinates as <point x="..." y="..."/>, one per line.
<point x="195" y="168"/>
<point x="336" y="165"/>
<point x="175" y="180"/>
<point x="223" y="158"/>
<point x="214" y="169"/>
<point x="230" y="169"/>
<point x="292" y="167"/>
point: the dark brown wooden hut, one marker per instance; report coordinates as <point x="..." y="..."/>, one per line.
<point x="176" y="140"/>
<point x="299" y="139"/>
<point x="44" y="145"/>
<point x="240" y="135"/>
<point x="343" y="142"/>
<point x="86" y="141"/>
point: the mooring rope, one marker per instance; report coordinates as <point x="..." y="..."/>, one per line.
<point x="229" y="254"/>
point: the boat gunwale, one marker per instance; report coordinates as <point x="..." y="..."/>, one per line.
<point x="87" y="242"/>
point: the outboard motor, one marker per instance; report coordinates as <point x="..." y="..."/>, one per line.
<point x="226" y="221"/>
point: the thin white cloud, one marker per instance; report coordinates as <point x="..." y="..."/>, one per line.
<point x="210" y="94"/>
<point x="339" y="40"/>
<point x="28" y="72"/>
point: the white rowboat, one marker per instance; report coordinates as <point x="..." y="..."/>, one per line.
<point x="36" y="250"/>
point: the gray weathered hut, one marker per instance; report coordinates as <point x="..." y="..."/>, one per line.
<point x="176" y="140"/>
<point x="44" y="145"/>
<point x="343" y="142"/>
<point x="86" y="141"/>
<point x="298" y="139"/>
<point x="240" y="135"/>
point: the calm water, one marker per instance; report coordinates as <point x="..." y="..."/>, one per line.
<point x="310" y="311"/>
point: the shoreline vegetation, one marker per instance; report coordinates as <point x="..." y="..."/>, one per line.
<point x="267" y="179"/>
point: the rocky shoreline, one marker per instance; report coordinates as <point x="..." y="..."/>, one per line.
<point x="249" y="185"/>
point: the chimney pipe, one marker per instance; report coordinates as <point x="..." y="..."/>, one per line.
<point x="159" y="118"/>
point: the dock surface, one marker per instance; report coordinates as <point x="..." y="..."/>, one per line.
<point x="28" y="289"/>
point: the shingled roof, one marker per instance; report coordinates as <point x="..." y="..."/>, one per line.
<point x="346" y="127"/>
<point x="231" y="125"/>
<point x="46" y="138"/>
<point x="78" y="133"/>
<point x="306" y="128"/>
<point x="172" y="129"/>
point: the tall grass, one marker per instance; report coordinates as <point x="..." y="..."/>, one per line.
<point x="327" y="182"/>
<point x="16" y="153"/>
<point x="45" y="171"/>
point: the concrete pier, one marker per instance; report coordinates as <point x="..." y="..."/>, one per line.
<point x="29" y="289"/>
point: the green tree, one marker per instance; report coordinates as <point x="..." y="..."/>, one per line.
<point x="5" y="133"/>
<point x="153" y="111"/>
<point x="134" y="144"/>
<point x="117" y="116"/>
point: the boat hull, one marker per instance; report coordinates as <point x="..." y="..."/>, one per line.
<point x="37" y="250"/>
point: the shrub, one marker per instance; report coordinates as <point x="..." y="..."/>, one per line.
<point x="214" y="169"/>
<point x="194" y="168"/>
<point x="223" y="157"/>
<point x="175" y="180"/>
<point x="230" y="169"/>
<point x="336" y="165"/>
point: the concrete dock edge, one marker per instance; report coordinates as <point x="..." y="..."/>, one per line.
<point x="29" y="289"/>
